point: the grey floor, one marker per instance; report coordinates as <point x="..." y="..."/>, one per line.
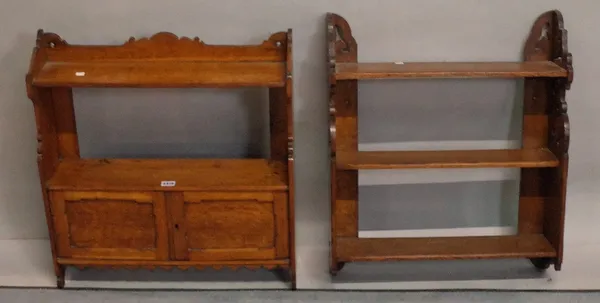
<point x="16" y="295"/>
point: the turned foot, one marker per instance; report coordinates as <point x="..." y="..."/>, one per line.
<point x="336" y="267"/>
<point x="60" y="282"/>
<point x="541" y="263"/>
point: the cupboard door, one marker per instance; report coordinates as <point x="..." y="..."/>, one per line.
<point x="110" y="225"/>
<point x="220" y="226"/>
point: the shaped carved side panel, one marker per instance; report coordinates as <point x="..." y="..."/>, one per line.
<point x="341" y="44"/>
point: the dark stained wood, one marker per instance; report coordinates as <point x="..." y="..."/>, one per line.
<point x="446" y="248"/>
<point x="531" y="215"/>
<point x="160" y="74"/>
<point x="540" y="157"/>
<point x="343" y="134"/>
<point x="189" y="174"/>
<point x="115" y="213"/>
<point x="543" y="157"/>
<point x="357" y="71"/>
<point x="546" y="42"/>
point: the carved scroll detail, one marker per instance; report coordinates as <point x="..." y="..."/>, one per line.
<point x="548" y="41"/>
<point x="50" y="40"/>
<point x="290" y="148"/>
<point x="168" y="38"/>
<point x="163" y="38"/>
<point x="562" y="56"/>
<point x="560" y="127"/>
<point x="342" y="46"/>
<point x="332" y="120"/>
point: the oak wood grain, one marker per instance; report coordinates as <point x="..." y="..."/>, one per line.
<point x="391" y="70"/>
<point x="110" y="225"/>
<point x="161" y="74"/>
<point x="114" y="212"/>
<point x="189" y="174"/>
<point x="230" y="226"/>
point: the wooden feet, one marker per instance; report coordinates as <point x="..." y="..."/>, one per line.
<point x="60" y="277"/>
<point x="336" y="267"/>
<point x="286" y="275"/>
<point x="292" y="276"/>
<point x="541" y="263"/>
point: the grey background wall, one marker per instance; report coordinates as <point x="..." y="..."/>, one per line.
<point x="414" y="114"/>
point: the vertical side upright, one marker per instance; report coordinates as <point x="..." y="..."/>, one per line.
<point x="343" y="132"/>
<point x="558" y="137"/>
<point x="68" y="143"/>
<point x="541" y="204"/>
<point x="281" y="121"/>
<point x="535" y="128"/>
<point x="290" y="156"/>
<point x="48" y="147"/>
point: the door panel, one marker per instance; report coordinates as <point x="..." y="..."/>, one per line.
<point x="110" y="225"/>
<point x="229" y="226"/>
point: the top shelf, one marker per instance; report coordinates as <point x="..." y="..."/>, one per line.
<point x="161" y="74"/>
<point x="162" y="60"/>
<point x="391" y="70"/>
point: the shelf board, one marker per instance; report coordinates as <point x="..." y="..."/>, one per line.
<point x="166" y="73"/>
<point x="443" y="248"/>
<point x="445" y="159"/>
<point x="189" y="175"/>
<point x="357" y="71"/>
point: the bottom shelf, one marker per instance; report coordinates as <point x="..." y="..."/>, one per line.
<point x="445" y="248"/>
<point x="269" y="264"/>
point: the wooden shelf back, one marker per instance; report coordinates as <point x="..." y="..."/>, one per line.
<point x="357" y="71"/>
<point x="481" y="247"/>
<point x="541" y="157"/>
<point x="189" y="175"/>
<point x="161" y="74"/>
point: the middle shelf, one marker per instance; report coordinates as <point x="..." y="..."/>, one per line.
<point x="400" y="70"/>
<point x="541" y="157"/>
<point x="189" y="175"/>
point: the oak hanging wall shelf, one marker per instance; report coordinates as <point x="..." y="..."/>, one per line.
<point x="543" y="158"/>
<point x="149" y="213"/>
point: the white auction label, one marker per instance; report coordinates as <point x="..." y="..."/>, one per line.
<point x="167" y="183"/>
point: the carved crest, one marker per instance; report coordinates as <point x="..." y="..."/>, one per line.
<point x="162" y="38"/>
<point x="50" y="40"/>
<point x="548" y="41"/>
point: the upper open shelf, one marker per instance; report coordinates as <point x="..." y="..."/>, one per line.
<point x="357" y="71"/>
<point x="161" y="74"/>
<point x="163" y="60"/>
